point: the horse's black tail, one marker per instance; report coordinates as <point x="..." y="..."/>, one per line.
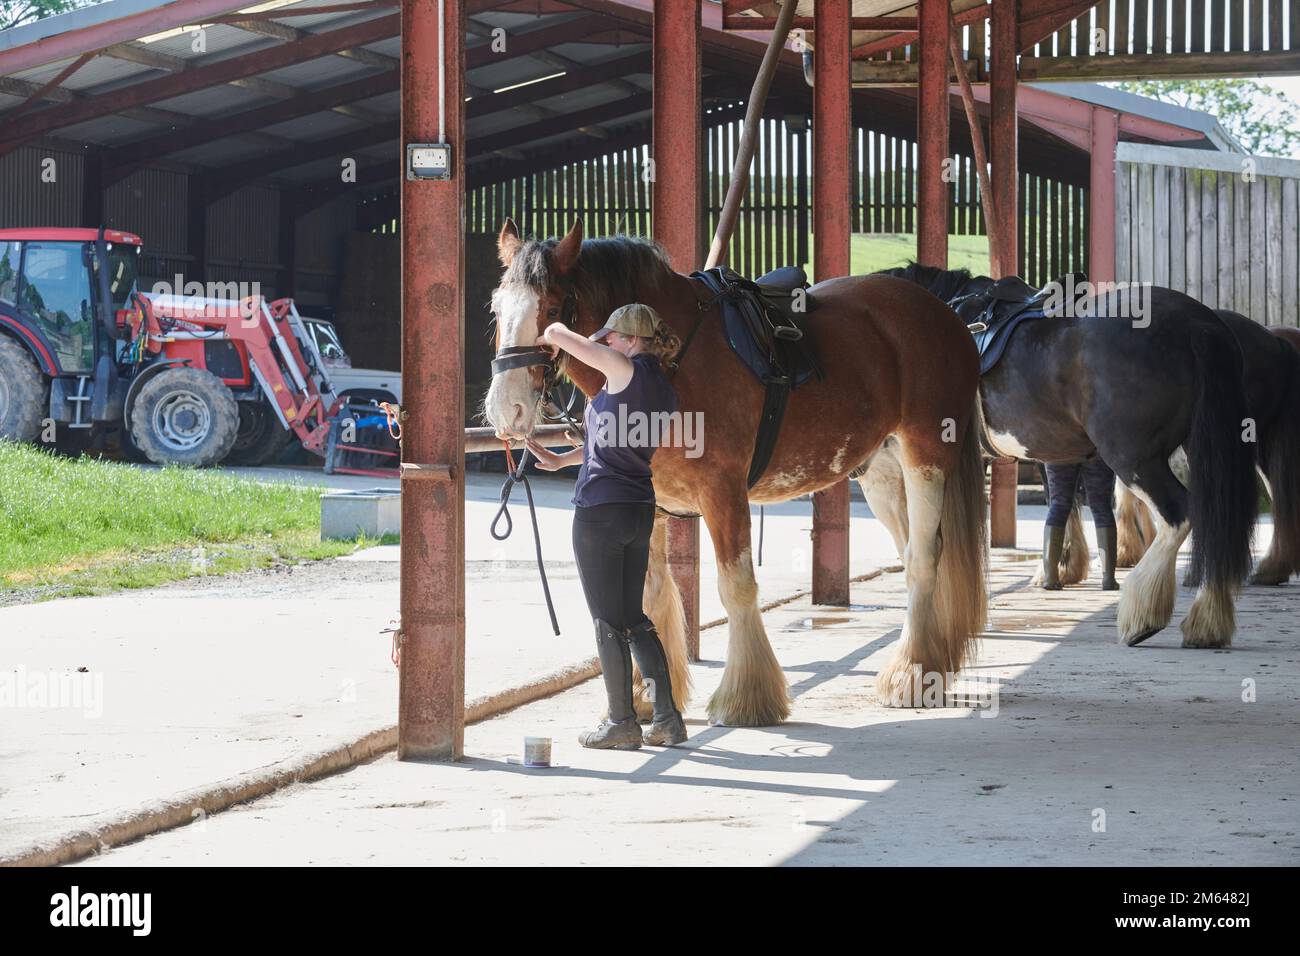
<point x="1280" y="460"/>
<point x="1222" y="501"/>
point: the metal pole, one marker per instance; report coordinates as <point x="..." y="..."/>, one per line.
<point x="1101" y="196"/>
<point x="933" y="197"/>
<point x="679" y="222"/>
<point x="1003" y="133"/>
<point x="832" y="128"/>
<point x="431" y="707"/>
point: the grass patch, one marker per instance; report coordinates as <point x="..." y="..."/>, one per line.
<point x="84" y="526"/>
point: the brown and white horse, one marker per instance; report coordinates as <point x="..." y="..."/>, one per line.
<point x="898" y="363"/>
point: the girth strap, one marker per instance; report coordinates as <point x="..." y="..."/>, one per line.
<point x="775" y="396"/>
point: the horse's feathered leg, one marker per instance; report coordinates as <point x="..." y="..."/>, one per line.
<point x="883" y="487"/>
<point x="663" y="605"/>
<point x="1146" y="602"/>
<point x="753" y="691"/>
<point x="1135" y="529"/>
<point x="944" y="564"/>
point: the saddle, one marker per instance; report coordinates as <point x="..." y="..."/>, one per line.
<point x="995" y="314"/>
<point x="765" y="324"/>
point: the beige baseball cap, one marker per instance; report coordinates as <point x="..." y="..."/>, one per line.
<point x="633" y="319"/>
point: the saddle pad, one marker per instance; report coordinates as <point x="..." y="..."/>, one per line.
<point x="992" y="342"/>
<point x="1003" y="308"/>
<point x="749" y="335"/>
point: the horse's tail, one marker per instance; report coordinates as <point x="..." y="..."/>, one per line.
<point x="1134" y="529"/>
<point x="1076" y="560"/>
<point x="1222" y="499"/>
<point x="961" y="591"/>
<point x="1279" y="450"/>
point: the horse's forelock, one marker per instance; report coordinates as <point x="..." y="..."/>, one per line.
<point x="610" y="271"/>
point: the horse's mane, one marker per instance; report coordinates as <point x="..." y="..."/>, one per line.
<point x="945" y="284"/>
<point x="610" y="272"/>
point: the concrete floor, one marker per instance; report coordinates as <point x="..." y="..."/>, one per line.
<point x="1094" y="754"/>
<point x="197" y="683"/>
<point x="208" y="680"/>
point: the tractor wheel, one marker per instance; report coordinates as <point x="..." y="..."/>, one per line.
<point x="22" y="393"/>
<point x="261" y="437"/>
<point x="185" y="416"/>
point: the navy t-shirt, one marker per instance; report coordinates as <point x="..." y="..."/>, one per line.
<point x="623" y="431"/>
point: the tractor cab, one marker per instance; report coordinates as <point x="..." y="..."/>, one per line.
<point x="189" y="380"/>
<point x="64" y="294"/>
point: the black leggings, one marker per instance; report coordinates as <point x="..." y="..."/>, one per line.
<point x="1063" y="484"/>
<point x="611" y="543"/>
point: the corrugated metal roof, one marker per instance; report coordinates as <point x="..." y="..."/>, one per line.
<point x="105" y="74"/>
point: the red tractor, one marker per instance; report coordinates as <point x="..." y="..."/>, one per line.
<point x="187" y="380"/>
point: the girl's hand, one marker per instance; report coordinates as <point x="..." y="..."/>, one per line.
<point x="548" y="333"/>
<point x="547" y="460"/>
<point x="546" y="344"/>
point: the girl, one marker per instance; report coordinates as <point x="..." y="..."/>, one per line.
<point x="614" y="512"/>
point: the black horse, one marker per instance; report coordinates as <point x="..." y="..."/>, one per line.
<point x="1150" y="380"/>
<point x="1272" y="365"/>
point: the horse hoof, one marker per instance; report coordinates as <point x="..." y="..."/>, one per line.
<point x="1141" y="636"/>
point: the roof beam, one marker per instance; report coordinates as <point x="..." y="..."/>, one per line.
<point x="202" y="77"/>
<point x="287" y="33"/>
<point x="119" y="161"/>
<point x="143" y="56"/>
<point x="231" y="178"/>
<point x="575" y="79"/>
<point x="533" y="41"/>
<point x="73" y="43"/>
<point x="143" y="114"/>
<point x="1165" y="66"/>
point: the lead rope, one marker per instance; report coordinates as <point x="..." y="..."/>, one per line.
<point x="513" y="477"/>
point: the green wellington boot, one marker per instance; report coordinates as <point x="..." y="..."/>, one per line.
<point x="668" y="727"/>
<point x="1108" y="544"/>
<point x="1053" y="545"/>
<point x="618" y="731"/>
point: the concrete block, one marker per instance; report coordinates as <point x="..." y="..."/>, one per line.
<point x="347" y="514"/>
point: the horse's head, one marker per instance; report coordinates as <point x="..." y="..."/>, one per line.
<point x="558" y="280"/>
<point x="536" y="289"/>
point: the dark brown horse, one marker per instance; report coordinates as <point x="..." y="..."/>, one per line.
<point x="898" y="362"/>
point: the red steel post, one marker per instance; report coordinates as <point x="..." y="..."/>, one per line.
<point x="1101" y="196"/>
<point x="678" y="220"/>
<point x="1006" y="178"/>
<point x="832" y="128"/>
<point x="431" y="708"/>
<point x="932" y="133"/>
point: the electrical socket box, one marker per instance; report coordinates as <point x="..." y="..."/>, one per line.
<point x="428" y="161"/>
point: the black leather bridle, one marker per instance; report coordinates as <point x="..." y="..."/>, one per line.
<point x="532" y="356"/>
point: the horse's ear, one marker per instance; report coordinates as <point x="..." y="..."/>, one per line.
<point x="508" y="242"/>
<point x="568" y="248"/>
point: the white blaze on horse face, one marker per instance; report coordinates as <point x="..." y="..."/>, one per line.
<point x="511" y="403"/>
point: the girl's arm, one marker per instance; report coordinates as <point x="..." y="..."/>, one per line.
<point x="616" y="366"/>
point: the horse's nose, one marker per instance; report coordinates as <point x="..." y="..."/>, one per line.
<point x="517" y="419"/>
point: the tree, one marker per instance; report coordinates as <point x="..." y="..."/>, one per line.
<point x="1263" y="120"/>
<point x="17" y="12"/>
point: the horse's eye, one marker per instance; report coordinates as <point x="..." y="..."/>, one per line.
<point x="552" y="313"/>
